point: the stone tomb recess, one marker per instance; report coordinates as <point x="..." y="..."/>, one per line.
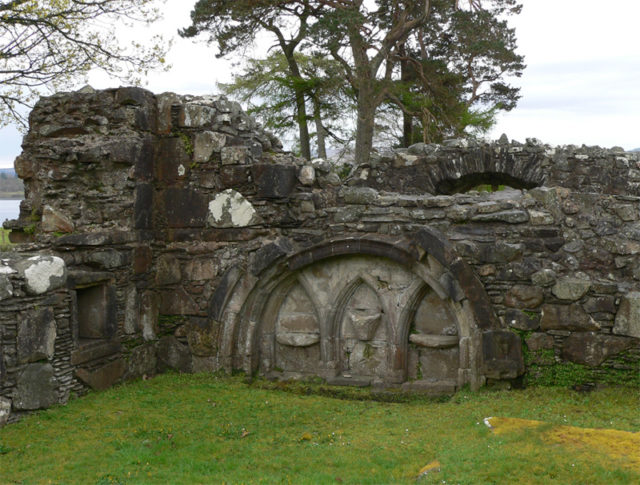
<point x="361" y="319"/>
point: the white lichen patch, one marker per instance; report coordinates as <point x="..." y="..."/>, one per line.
<point x="231" y="209"/>
<point x="7" y="269"/>
<point x="44" y="273"/>
<point x="196" y="116"/>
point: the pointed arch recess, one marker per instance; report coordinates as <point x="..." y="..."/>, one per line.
<point x="244" y="302"/>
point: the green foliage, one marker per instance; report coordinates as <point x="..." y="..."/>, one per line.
<point x="186" y="142"/>
<point x="441" y="64"/>
<point x="569" y="374"/>
<point x="270" y="90"/>
<point x="491" y="188"/>
<point x="30" y="229"/>
<point x="205" y="429"/>
<point x="51" y="44"/>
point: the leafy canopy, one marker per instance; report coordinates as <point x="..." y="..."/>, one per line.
<point x="49" y="44"/>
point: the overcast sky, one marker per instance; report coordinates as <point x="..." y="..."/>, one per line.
<point x="581" y="85"/>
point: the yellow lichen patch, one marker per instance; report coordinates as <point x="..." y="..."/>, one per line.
<point x="432" y="467"/>
<point x="619" y="445"/>
<point x="507" y="425"/>
<point x="622" y="446"/>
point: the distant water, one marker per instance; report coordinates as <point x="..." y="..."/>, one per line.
<point x="9" y="209"/>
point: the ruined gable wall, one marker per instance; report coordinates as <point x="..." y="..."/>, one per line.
<point x="177" y="215"/>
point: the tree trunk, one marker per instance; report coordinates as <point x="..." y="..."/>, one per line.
<point x="303" y="130"/>
<point x="405" y="77"/>
<point x="320" y="131"/>
<point x="301" y="108"/>
<point x="367" y="106"/>
<point x="407" y="130"/>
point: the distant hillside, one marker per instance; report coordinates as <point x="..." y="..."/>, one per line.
<point x="11" y="187"/>
<point x="635" y="150"/>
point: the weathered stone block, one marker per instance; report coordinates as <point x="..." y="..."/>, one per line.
<point x="544" y="277"/>
<point x="43" y="273"/>
<point x="205" y="364"/>
<point x="502" y="354"/>
<point x="521" y="296"/>
<point x="173" y="355"/>
<point x="628" y="316"/>
<point x="140" y="362"/>
<point x="177" y="302"/>
<point x="297" y="339"/>
<point x="197" y="116"/>
<point x="540" y="341"/>
<point x="511" y="217"/>
<point x="307" y="175"/>
<point x="184" y="208"/>
<point x="300" y="359"/>
<point x="54" y="220"/>
<point x="540" y="218"/>
<point x="268" y="255"/>
<point x="6" y="288"/>
<point x="627" y="213"/>
<point x="235" y="155"/>
<point x="231" y="209"/>
<point x="592" y="349"/>
<point x="500" y="252"/>
<point x="108" y="259"/>
<point x="171" y="160"/>
<point x="134" y="96"/>
<point x="521" y="321"/>
<point x="94" y="350"/>
<point x="36" y="388"/>
<point x="274" y="181"/>
<point x="200" y="270"/>
<point x="434" y="341"/>
<point x="165" y="103"/>
<point x="149" y="311"/>
<point x="601" y="304"/>
<point x="206" y="143"/>
<point x="143" y="207"/>
<point x="567" y="317"/>
<point x="103" y="377"/>
<point x="571" y="288"/>
<point x="24" y="167"/>
<point x="36" y="336"/>
<point x="202" y="336"/>
<point x="168" y="270"/>
<point x="142" y="259"/>
<point x="359" y="195"/>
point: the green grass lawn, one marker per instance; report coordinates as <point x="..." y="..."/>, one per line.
<point x="208" y="429"/>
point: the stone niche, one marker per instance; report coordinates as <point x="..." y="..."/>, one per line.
<point x="361" y="320"/>
<point x="94" y="312"/>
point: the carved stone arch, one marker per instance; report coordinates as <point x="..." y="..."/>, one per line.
<point x="246" y="299"/>
<point x="345" y="295"/>
<point x="352" y="324"/>
<point x="519" y="170"/>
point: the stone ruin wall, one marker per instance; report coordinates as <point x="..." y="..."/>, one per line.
<point x="171" y="232"/>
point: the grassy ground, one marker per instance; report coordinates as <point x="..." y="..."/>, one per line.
<point x="204" y="429"/>
<point x="5" y="244"/>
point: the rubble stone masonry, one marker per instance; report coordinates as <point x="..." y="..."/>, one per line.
<point x="171" y="232"/>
